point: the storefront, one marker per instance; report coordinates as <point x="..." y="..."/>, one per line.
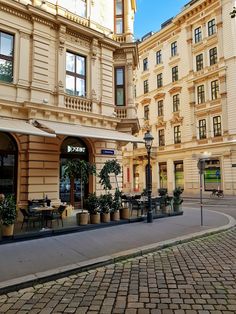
<point x="179" y="174"/>
<point x="212" y="175"/>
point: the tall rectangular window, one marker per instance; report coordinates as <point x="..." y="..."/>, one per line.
<point x="213" y="55"/>
<point x="6" y="57"/>
<point x="177" y="134"/>
<point x="120" y="86"/>
<point x="158" y="57"/>
<point x="159" y="80"/>
<point x="174" y="49"/>
<point x="175" y="74"/>
<point x="81" y="7"/>
<point x="211" y="27"/>
<point x="75" y="74"/>
<point x="145" y="87"/>
<point x="146" y="112"/>
<point x="197" y="35"/>
<point x="200" y="94"/>
<point x="199" y="62"/>
<point x="217" y="126"/>
<point x="161" y="137"/>
<point x="160" y="108"/>
<point x="176" y="103"/>
<point x="202" y="128"/>
<point x="145" y="64"/>
<point x="119" y="16"/>
<point x="214" y="89"/>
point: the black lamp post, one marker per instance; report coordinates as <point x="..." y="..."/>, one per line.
<point x="148" y="138"/>
<point x="233" y="13"/>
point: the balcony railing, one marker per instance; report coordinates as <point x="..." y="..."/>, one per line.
<point x="78" y="103"/>
<point x="121" y="113"/>
<point x="119" y="38"/>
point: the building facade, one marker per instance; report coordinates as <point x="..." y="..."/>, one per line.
<point x="66" y="91"/>
<point x="185" y="95"/>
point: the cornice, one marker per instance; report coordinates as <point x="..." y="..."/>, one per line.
<point x="175" y="89"/>
<point x="159" y="96"/>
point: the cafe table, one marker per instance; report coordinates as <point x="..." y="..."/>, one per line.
<point x="45" y="210"/>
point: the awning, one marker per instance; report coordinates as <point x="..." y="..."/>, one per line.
<point x="21" y="126"/>
<point x="86" y="131"/>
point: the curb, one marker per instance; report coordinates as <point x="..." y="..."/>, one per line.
<point x="42" y="277"/>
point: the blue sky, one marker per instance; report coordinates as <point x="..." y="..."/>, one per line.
<point x="152" y="13"/>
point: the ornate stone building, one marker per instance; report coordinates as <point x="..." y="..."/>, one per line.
<point x="66" y="90"/>
<point x="185" y="94"/>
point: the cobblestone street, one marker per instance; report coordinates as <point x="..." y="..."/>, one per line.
<point x="195" y="277"/>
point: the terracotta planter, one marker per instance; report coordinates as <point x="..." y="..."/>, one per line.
<point x="7" y="231"/>
<point x="95" y="218"/>
<point x="115" y="215"/>
<point x="105" y="217"/>
<point x="124" y="213"/>
<point x="82" y="218"/>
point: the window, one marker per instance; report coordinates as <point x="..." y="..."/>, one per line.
<point x="177" y="134"/>
<point x="159" y="80"/>
<point x="202" y="129"/>
<point x="199" y="62"/>
<point x="120" y="86"/>
<point x="217" y="126"/>
<point x="214" y="89"/>
<point x="6" y="57"/>
<point x="160" y="108"/>
<point x="81" y="8"/>
<point x="213" y="55"/>
<point x="119" y="16"/>
<point x="145" y="86"/>
<point x="146" y="112"/>
<point x="200" y="94"/>
<point x="145" y="64"/>
<point x="161" y="137"/>
<point x="176" y="103"/>
<point x="75" y="74"/>
<point x="211" y="27"/>
<point x="175" y="75"/>
<point x="174" y="49"/>
<point x="197" y="35"/>
<point x="158" y="57"/>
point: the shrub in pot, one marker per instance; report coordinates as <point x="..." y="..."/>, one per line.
<point x="177" y="199"/>
<point x="116" y="206"/>
<point x="105" y="204"/>
<point x="92" y="204"/>
<point x="7" y="214"/>
<point x="164" y="198"/>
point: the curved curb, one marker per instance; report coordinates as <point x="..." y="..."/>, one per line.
<point x="53" y="274"/>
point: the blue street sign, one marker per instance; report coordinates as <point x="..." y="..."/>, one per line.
<point x="107" y="152"/>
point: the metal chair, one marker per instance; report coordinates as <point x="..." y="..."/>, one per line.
<point x="56" y="215"/>
<point x="29" y="218"/>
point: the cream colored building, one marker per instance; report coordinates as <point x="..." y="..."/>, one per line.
<point x="66" y="90"/>
<point x="185" y="94"/>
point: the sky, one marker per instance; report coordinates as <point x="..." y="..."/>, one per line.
<point x="152" y="13"/>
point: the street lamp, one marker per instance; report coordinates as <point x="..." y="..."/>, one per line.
<point x="148" y="138"/>
<point x="233" y="13"/>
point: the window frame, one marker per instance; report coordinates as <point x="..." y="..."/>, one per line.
<point x="175" y="73"/>
<point x="161" y="137"/>
<point x="202" y="129"/>
<point x="145" y="87"/>
<point x="214" y="89"/>
<point x="9" y="59"/>
<point x="118" y="16"/>
<point x="201" y="94"/>
<point x="199" y="62"/>
<point x="160" y="108"/>
<point x="213" y="56"/>
<point x="120" y="85"/>
<point x="174" y="49"/>
<point x="176" y="102"/>
<point x="197" y="34"/>
<point x="217" y="126"/>
<point x="146" y="112"/>
<point x="158" y="57"/>
<point x="211" y="27"/>
<point x="145" y="64"/>
<point x="159" y="80"/>
<point x="177" y="134"/>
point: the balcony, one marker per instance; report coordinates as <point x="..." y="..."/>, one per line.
<point x="78" y="103"/>
<point x="121" y="113"/>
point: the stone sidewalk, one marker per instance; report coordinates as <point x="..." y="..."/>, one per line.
<point x="30" y="262"/>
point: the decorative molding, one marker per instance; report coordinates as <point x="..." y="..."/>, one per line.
<point x="176" y="119"/>
<point x="175" y="89"/>
<point x="145" y="101"/>
<point x="159" y="96"/>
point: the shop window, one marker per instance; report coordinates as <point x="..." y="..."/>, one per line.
<point x="6" y="56"/>
<point x="199" y="62"/>
<point x="119" y="16"/>
<point x="211" y="27"/>
<point x="175" y="74"/>
<point x="179" y="174"/>
<point x="202" y="128"/>
<point x="136" y="178"/>
<point x="200" y="94"/>
<point x="212" y="175"/>
<point x="160" y="108"/>
<point x="8" y="164"/>
<point x="158" y="57"/>
<point x="159" y="80"/>
<point x="197" y="35"/>
<point x="213" y="55"/>
<point x="120" y="86"/>
<point x="176" y="103"/>
<point x="163" y="175"/>
<point x="75" y="74"/>
<point x="174" y="49"/>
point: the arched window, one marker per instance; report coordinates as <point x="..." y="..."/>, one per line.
<point x="8" y="164"/>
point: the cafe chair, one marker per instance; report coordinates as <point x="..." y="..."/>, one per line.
<point x="56" y="215"/>
<point x="29" y="218"/>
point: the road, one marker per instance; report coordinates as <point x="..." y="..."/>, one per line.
<point x="195" y="277"/>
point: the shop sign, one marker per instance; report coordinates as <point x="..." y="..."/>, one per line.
<point x="107" y="152"/>
<point x="75" y="149"/>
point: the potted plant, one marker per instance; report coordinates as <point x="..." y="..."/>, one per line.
<point x="105" y="203"/>
<point x="115" y="206"/>
<point x="7" y="214"/>
<point x="177" y="199"/>
<point x="110" y="166"/>
<point x="92" y="204"/>
<point x="163" y="199"/>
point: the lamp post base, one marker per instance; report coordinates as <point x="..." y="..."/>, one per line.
<point x="149" y="217"/>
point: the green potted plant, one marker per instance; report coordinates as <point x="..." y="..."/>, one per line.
<point x="110" y="166"/>
<point x="115" y="206"/>
<point x="92" y="205"/>
<point x="177" y="199"/>
<point x="7" y="214"/>
<point x="163" y="199"/>
<point x="105" y="203"/>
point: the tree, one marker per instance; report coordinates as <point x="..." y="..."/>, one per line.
<point x="78" y="169"/>
<point x="110" y="166"/>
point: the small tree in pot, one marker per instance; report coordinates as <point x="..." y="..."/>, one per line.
<point x="92" y="205"/>
<point x="105" y="203"/>
<point x="177" y="199"/>
<point x="116" y="205"/>
<point x="7" y="214"/>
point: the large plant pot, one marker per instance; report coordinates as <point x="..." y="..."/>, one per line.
<point x="105" y="217"/>
<point x="115" y="216"/>
<point x="124" y="213"/>
<point x="95" y="218"/>
<point x="7" y="231"/>
<point x="82" y="218"/>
